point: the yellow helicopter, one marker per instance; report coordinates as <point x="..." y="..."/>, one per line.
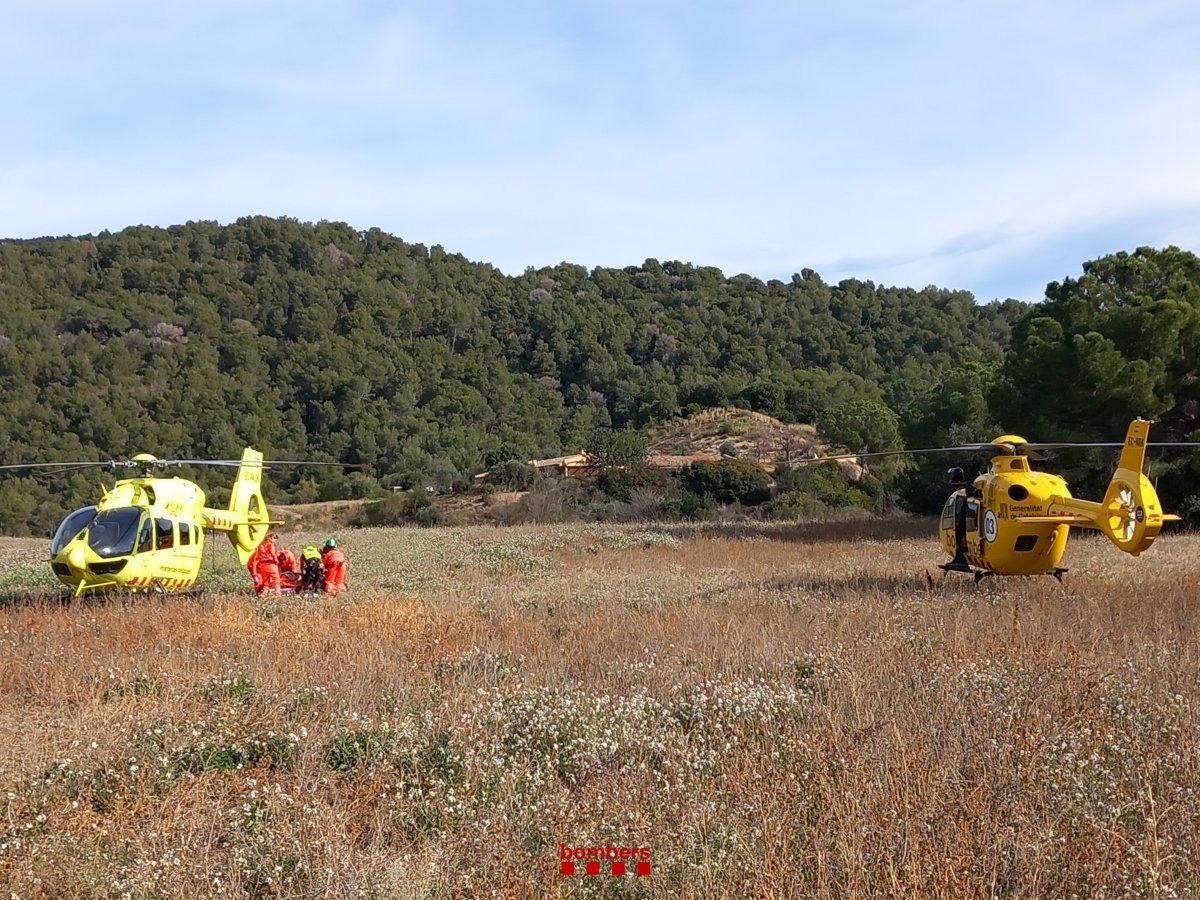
<point x="1013" y="520"/>
<point x="147" y="533"/>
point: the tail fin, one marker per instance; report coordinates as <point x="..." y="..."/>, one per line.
<point x="247" y="521"/>
<point x="1131" y="514"/>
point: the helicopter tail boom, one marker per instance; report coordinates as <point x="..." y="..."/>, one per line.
<point x="1130" y="514"/>
<point x="247" y="520"/>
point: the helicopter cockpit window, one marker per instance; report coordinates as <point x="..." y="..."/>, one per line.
<point x="165" y="529"/>
<point x="113" y="532"/>
<point x="185" y="534"/>
<point x="70" y="528"/>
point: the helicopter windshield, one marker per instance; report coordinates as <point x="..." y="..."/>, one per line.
<point x="70" y="528"/>
<point x="114" y="531"/>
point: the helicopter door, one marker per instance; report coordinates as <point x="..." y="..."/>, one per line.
<point x="187" y="540"/>
<point x="971" y="518"/>
<point x="145" y="541"/>
<point x="960" y="522"/>
<point x="972" y="522"/>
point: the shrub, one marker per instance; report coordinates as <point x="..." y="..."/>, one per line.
<point x="348" y="751"/>
<point x="621" y="483"/>
<point x="792" y="505"/>
<point x="399" y="509"/>
<point x="506" y="452"/>
<point x="512" y="473"/>
<point x="686" y="505"/>
<point x="359" y="485"/>
<point x="553" y="500"/>
<point x="729" y="449"/>
<point x="645" y="504"/>
<point x="609" y="448"/>
<point x="825" y="482"/>
<point x="763" y="396"/>
<point x="727" y="481"/>
<point x="428" y="516"/>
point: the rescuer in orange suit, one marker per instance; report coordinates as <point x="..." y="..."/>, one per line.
<point x="264" y="566"/>
<point x="334" y="561"/>
<point x="289" y="569"/>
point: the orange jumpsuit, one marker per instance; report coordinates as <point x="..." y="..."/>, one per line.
<point x="264" y="567"/>
<point x="289" y="571"/>
<point x="334" y="561"/>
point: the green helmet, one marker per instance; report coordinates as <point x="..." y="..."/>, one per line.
<point x="330" y="544"/>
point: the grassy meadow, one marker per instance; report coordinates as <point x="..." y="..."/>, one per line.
<point x="773" y="711"/>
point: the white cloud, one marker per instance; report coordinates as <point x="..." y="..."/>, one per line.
<point x="930" y="143"/>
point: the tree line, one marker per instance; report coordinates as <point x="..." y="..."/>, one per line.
<point x="322" y="342"/>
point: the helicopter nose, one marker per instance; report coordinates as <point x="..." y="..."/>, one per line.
<point x="77" y="560"/>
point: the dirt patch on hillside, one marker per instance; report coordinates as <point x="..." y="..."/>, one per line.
<point x="751" y="435"/>
<point x="331" y="514"/>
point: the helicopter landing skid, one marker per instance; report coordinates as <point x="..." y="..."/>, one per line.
<point x="1058" y="573"/>
<point x="158" y="589"/>
<point x="959" y="566"/>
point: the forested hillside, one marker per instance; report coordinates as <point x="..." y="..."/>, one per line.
<point x="327" y="343"/>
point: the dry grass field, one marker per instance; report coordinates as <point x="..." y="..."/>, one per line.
<point x="784" y="711"/>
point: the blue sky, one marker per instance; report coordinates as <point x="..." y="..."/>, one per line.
<point x="989" y="146"/>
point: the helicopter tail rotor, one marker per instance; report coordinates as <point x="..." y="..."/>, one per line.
<point x="1131" y="515"/>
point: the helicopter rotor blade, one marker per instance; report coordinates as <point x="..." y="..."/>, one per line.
<point x="992" y="447"/>
<point x="1004" y="448"/>
<point x="47" y="468"/>
<point x="266" y="463"/>
<point x="1088" y="445"/>
<point x="91" y="464"/>
<point x="63" y="471"/>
